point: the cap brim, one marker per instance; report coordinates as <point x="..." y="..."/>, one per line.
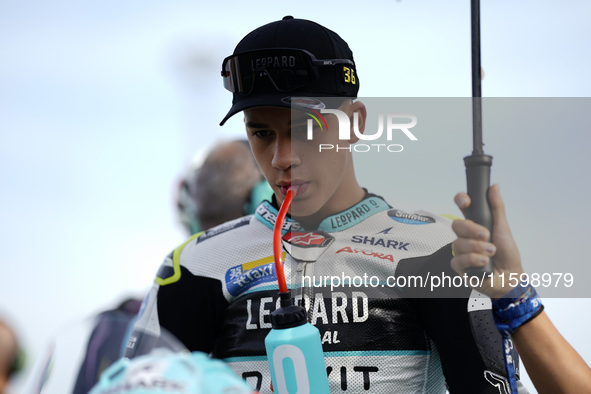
<point x="267" y="100"/>
<point x="306" y="100"/>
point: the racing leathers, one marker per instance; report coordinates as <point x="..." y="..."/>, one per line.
<point x="371" y="279"/>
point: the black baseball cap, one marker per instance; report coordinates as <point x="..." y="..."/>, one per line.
<point x="289" y="59"/>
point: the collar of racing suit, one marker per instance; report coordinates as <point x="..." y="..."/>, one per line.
<point x="371" y="204"/>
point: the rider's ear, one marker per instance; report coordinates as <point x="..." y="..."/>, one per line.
<point x="357" y="110"/>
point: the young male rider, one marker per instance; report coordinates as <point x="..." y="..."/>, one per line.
<point x="216" y="291"/>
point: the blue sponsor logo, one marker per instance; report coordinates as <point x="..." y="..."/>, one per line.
<point x="409" y="218"/>
<point x="244" y="276"/>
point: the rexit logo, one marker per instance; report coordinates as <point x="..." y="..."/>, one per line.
<point x="388" y="124"/>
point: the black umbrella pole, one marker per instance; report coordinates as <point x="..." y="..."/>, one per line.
<point x="478" y="164"/>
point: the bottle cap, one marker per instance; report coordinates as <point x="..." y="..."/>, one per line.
<point x="288" y="315"/>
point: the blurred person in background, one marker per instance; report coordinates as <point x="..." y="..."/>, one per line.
<point x="106" y="342"/>
<point x="226" y="185"/>
<point x="11" y="355"/>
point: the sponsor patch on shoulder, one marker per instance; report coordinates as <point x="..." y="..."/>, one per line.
<point x="409" y="218"/>
<point x="244" y="276"/>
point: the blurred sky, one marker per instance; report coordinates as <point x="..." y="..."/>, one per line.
<point x="103" y="105"/>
